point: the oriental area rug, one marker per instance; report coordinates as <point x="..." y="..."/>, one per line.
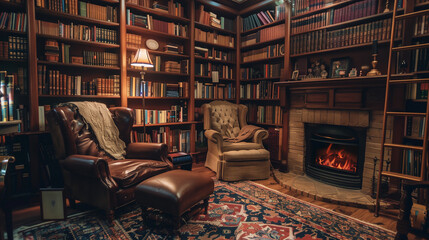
<point x="240" y="210"/>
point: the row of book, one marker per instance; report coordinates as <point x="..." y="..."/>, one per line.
<point x="412" y="162"/>
<point x="262" y="71"/>
<point x="214" y="91"/>
<point x="81" y="8"/>
<point x="414" y="126"/>
<point x="13" y="21"/>
<point x="52" y="82"/>
<point x="100" y="58"/>
<point x="360" y="34"/>
<point x="148" y="22"/>
<point x="175" y="114"/>
<point x="263" y="53"/>
<point x="355" y="10"/>
<point x="421" y="25"/>
<point x="7" y="88"/>
<point x="213" y="53"/>
<point x="415" y="91"/>
<point x="263" y="17"/>
<point x="177" y="140"/>
<point x="169" y="66"/>
<point x="208" y="69"/>
<point x="156" y="89"/>
<point x="265" y="114"/>
<point x="19" y="75"/>
<point x="77" y="32"/>
<point x="264" y="35"/>
<point x="419" y="59"/>
<point x="211" y="19"/>
<point x="302" y="6"/>
<point x="14" y="48"/>
<point x="52" y="52"/>
<point x="173" y="7"/>
<point x="214" y="38"/>
<point x="259" y="90"/>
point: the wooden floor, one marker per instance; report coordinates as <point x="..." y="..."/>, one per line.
<point x="386" y="220"/>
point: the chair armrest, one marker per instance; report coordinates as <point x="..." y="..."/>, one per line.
<point x="90" y="166"/>
<point x="214" y="137"/>
<point x="153" y="151"/>
<point x="259" y="136"/>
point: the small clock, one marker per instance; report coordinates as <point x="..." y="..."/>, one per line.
<point x="152" y="44"/>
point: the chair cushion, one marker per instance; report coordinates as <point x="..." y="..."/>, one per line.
<point x="247" y="155"/>
<point x="224" y="119"/>
<point x="129" y="172"/>
<point x="229" y="146"/>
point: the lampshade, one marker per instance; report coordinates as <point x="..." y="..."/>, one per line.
<point x="142" y="58"/>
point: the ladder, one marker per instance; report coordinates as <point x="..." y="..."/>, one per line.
<point x="387" y="112"/>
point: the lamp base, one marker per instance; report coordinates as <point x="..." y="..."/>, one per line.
<point x="374" y="72"/>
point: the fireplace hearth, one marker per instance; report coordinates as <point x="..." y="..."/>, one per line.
<point x="335" y="154"/>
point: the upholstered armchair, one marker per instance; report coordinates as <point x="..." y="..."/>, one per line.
<point x="233" y="161"/>
<point x="90" y="175"/>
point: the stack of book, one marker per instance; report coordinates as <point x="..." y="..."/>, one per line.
<point x="52" y="51"/>
<point x="266" y="34"/>
<point x="134" y="40"/>
<point x="78" y="32"/>
<point x="13" y="21"/>
<point x="215" y="38"/>
<point x="173" y="48"/>
<point x="211" y="19"/>
<point x="172" y="67"/>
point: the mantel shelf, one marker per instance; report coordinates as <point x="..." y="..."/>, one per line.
<point x="340" y="82"/>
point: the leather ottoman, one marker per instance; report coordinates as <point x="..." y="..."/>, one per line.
<point x="174" y="193"/>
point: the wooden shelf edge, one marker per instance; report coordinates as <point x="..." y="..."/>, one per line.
<point x="164" y="124"/>
<point x="12" y="31"/>
<point x="213" y="60"/>
<point x="263" y="60"/>
<point x="79" y="96"/>
<point x="326" y="7"/>
<point x="77" y="65"/>
<point x="158" y="72"/>
<point x="259" y="44"/>
<point x="211" y="28"/>
<point x="214" y="45"/>
<point x="142" y="30"/>
<point x="156" y="52"/>
<point x="71" y="40"/>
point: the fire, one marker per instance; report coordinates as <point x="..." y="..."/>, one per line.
<point x="338" y="159"/>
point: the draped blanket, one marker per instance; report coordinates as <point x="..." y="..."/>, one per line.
<point x="245" y="133"/>
<point x="98" y="116"/>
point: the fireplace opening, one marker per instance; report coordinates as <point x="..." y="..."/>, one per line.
<point x="335" y="154"/>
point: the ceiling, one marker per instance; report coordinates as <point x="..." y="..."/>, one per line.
<point x="238" y="4"/>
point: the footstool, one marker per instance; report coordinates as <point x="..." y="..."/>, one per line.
<point x="174" y="193"/>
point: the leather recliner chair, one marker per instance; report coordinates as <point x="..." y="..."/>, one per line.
<point x="92" y="177"/>
<point x="233" y="161"/>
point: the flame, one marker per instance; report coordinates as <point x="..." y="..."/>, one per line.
<point x="338" y="159"/>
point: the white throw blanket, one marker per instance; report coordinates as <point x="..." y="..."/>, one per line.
<point x="98" y="116"/>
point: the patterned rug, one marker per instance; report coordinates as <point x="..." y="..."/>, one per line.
<point x="241" y="210"/>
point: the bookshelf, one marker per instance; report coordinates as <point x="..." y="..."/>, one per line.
<point x="264" y="60"/>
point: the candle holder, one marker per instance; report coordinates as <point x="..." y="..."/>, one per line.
<point x="374" y="71"/>
<point x="387" y="7"/>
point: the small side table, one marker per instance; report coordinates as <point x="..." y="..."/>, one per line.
<point x="181" y="160"/>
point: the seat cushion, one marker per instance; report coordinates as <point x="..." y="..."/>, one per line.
<point x="229" y="146"/>
<point x="246" y="155"/>
<point x="129" y="172"/>
<point x="175" y="191"/>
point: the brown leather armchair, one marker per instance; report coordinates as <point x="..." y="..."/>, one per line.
<point x="90" y="175"/>
<point x="233" y="161"/>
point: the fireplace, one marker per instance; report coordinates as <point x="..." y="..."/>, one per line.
<point x="335" y="154"/>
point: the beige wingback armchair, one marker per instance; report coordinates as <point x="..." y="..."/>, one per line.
<point x="233" y="161"/>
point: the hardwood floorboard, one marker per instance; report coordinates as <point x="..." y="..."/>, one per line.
<point x="386" y="220"/>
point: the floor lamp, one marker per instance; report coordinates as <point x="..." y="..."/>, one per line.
<point x="142" y="59"/>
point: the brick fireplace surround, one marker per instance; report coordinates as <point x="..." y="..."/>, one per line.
<point x="372" y="120"/>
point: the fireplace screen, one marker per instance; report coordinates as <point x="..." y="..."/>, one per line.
<point x="335" y="154"/>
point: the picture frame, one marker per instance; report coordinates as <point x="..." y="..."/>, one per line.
<point x="340" y="67"/>
<point x="52" y="204"/>
<point x="295" y="75"/>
